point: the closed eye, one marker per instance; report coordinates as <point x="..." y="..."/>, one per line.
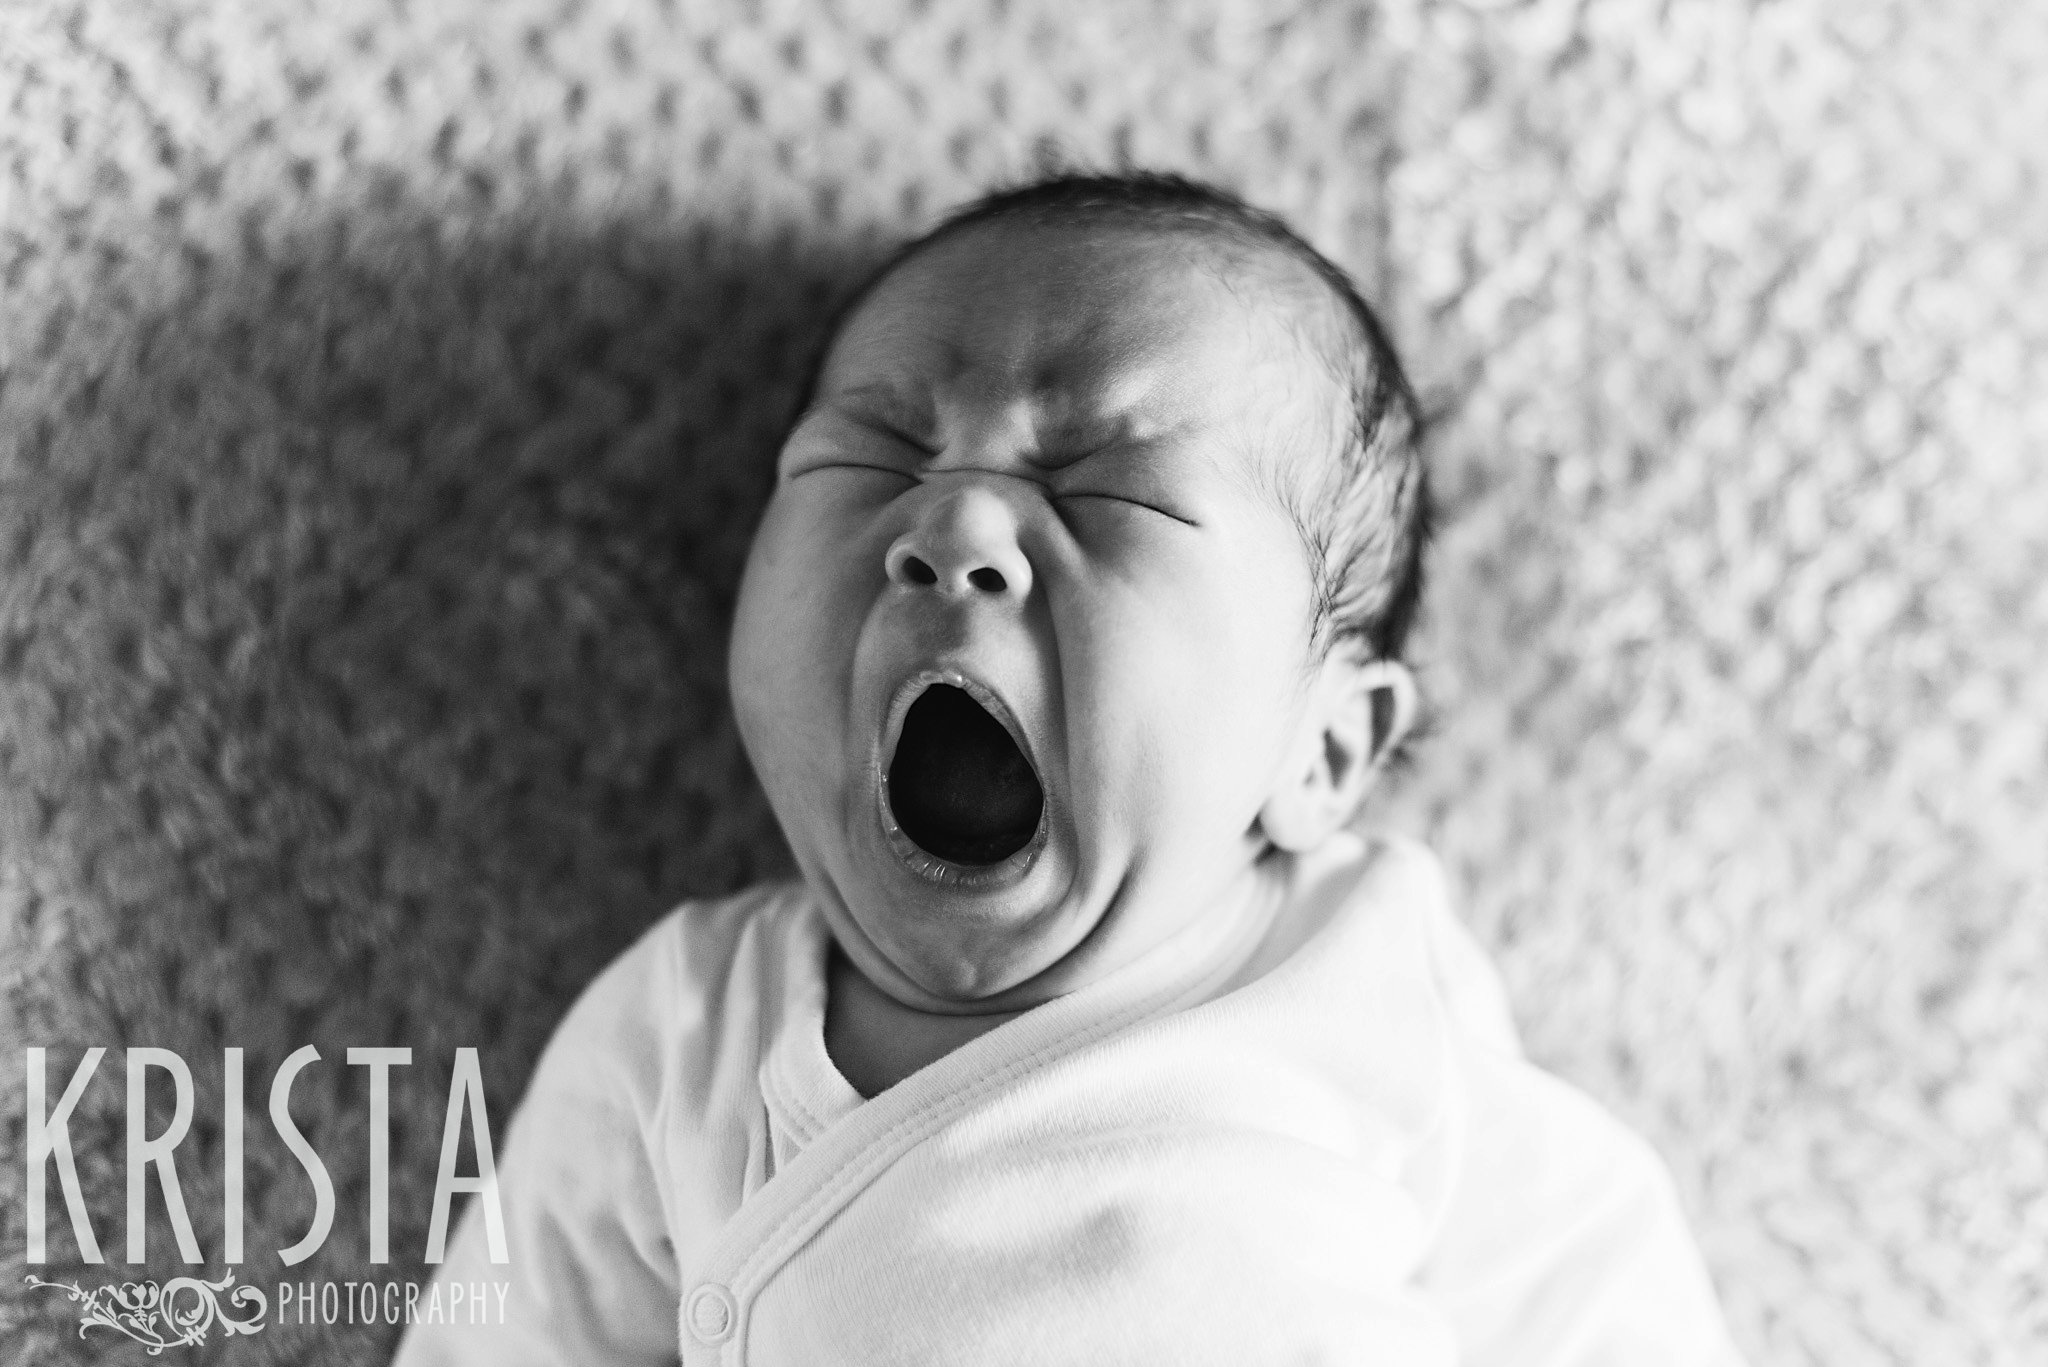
<point x="895" y="434"/>
<point x="815" y="466"/>
<point x="831" y="439"/>
<point x="1132" y="502"/>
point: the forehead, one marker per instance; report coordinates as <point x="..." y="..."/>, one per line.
<point x="1083" y="314"/>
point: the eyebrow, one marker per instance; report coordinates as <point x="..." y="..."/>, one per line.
<point x="1075" y="416"/>
<point x="1061" y="439"/>
<point x="912" y="411"/>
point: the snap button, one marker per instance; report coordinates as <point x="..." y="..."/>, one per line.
<point x="711" y="1313"/>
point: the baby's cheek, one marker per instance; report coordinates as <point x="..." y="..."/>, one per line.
<point x="1249" y="613"/>
<point x="1254" y="649"/>
<point x="788" y="634"/>
<point x="1209" y="710"/>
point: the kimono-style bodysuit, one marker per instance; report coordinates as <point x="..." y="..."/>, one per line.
<point x="1332" y="1154"/>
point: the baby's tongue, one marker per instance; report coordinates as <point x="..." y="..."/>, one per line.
<point x="958" y="785"/>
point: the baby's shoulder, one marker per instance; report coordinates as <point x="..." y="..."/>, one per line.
<point x="664" y="1007"/>
<point x="691" y="956"/>
<point x="1388" y="897"/>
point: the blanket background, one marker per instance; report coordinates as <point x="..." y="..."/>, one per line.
<point x="387" y="390"/>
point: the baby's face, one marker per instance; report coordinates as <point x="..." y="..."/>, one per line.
<point x="1023" y="647"/>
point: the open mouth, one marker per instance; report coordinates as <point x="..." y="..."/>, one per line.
<point x="958" y="787"/>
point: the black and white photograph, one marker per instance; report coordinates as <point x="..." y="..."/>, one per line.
<point x="1017" y="683"/>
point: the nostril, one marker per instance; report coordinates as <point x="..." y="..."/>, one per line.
<point x="917" y="572"/>
<point x="987" y="580"/>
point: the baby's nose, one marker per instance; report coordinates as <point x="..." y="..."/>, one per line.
<point x="963" y="544"/>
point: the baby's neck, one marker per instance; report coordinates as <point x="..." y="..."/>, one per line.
<point x="876" y="1041"/>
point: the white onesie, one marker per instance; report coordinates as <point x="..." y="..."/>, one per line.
<point x="1334" y="1155"/>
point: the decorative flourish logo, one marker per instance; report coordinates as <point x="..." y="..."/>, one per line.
<point x="179" y="1314"/>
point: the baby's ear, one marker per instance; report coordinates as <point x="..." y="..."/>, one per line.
<point x="1359" y="711"/>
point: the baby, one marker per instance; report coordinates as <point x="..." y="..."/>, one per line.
<point x="1068" y="647"/>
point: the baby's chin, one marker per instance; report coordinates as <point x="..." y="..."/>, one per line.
<point x="956" y="951"/>
<point x="957" y="955"/>
<point x="945" y="936"/>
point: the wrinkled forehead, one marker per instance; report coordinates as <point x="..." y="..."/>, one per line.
<point x="1091" y="317"/>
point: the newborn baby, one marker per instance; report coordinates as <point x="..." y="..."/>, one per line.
<point x="1091" y="1033"/>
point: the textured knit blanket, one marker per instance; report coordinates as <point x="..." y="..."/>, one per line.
<point x="387" y="391"/>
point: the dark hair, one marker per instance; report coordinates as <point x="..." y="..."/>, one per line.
<point x="1369" y="523"/>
